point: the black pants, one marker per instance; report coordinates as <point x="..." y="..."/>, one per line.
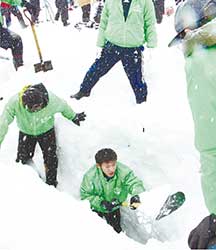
<point x="62" y="6"/>
<point x="10" y="40"/>
<point x="113" y="219"/>
<point x="35" y="16"/>
<point x="159" y="10"/>
<point x="131" y="59"/>
<point x="86" y="9"/>
<point x="47" y="142"/>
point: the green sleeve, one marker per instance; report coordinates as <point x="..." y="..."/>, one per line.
<point x="149" y="24"/>
<point x="135" y="185"/>
<point x="87" y="192"/>
<point x="6" y="118"/>
<point x="62" y="107"/>
<point x="101" y="40"/>
<point x="14" y="2"/>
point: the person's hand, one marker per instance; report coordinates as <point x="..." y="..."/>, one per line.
<point x="200" y="236"/>
<point x="135" y="202"/>
<point x="78" y="118"/>
<point x="109" y="205"/>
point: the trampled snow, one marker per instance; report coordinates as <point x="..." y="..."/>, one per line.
<point x="155" y="139"/>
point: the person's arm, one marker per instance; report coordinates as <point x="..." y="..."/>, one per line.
<point x="6" y="118"/>
<point x="62" y="107"/>
<point x="205" y="36"/>
<point x="134" y="184"/>
<point x="101" y="40"/>
<point x="149" y="24"/>
<point x="87" y="192"/>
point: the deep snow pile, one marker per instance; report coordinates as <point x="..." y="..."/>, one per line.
<point x="155" y="139"/>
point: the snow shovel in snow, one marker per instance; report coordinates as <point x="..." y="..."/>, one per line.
<point x="42" y="66"/>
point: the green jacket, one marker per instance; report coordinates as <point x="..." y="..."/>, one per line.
<point x="33" y="123"/>
<point x="139" y="27"/>
<point x="96" y="188"/>
<point x="200" y="64"/>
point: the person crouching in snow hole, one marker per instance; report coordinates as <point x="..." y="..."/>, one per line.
<point x="107" y="185"/>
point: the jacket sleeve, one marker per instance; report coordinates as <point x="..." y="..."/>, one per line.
<point x="87" y="192"/>
<point x="134" y="185"/>
<point x="101" y="40"/>
<point x="62" y="107"/>
<point x="149" y="24"/>
<point x="6" y="118"/>
<point x="204" y="36"/>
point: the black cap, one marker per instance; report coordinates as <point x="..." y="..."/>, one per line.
<point x="35" y="97"/>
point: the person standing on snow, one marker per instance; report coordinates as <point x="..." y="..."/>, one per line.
<point x="195" y="23"/>
<point x="107" y="185"/>
<point x="9" y="39"/>
<point x="62" y="6"/>
<point x="125" y="26"/>
<point x="34" y="108"/>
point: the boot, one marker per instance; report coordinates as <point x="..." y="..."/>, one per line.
<point x="80" y="95"/>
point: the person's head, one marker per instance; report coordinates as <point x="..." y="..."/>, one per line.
<point x="106" y="159"/>
<point x="191" y="15"/>
<point x="35" y="97"/>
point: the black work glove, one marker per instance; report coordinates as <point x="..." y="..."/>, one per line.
<point x="78" y="118"/>
<point x="30" y="7"/>
<point x="109" y="205"/>
<point x="201" y="235"/>
<point x="134" y="199"/>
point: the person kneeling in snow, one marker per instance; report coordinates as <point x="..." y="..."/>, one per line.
<point x="198" y="38"/>
<point x="34" y="108"/>
<point x="107" y="185"/>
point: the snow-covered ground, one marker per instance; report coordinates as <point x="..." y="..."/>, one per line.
<point x="155" y="139"/>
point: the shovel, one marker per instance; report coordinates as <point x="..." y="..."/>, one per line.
<point x="43" y="65"/>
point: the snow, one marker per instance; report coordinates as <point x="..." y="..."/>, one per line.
<point x="155" y="139"/>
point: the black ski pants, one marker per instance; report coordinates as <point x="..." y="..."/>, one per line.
<point x="47" y="143"/>
<point x="159" y="10"/>
<point x="131" y="59"/>
<point x="86" y="10"/>
<point x="62" y="6"/>
<point x="113" y="219"/>
<point x="10" y="40"/>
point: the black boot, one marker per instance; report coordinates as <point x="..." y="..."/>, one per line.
<point x="80" y="95"/>
<point x="66" y="23"/>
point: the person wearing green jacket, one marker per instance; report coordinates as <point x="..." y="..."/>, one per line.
<point x="11" y="40"/>
<point x="34" y="108"/>
<point x="125" y="26"/>
<point x="107" y="185"/>
<point x="195" y="23"/>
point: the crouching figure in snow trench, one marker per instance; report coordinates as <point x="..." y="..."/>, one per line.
<point x="198" y="39"/>
<point x="107" y="185"/>
<point x="121" y="37"/>
<point x="34" y="108"/>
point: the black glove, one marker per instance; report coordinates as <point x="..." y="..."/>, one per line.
<point x="134" y="199"/>
<point x="109" y="205"/>
<point x="78" y="118"/>
<point x="201" y="235"/>
<point x="30" y="7"/>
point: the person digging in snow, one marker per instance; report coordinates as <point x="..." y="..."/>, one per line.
<point x="125" y="26"/>
<point x="195" y="23"/>
<point x="34" y="108"/>
<point x="107" y="185"/>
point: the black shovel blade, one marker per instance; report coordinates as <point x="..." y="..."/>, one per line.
<point x="47" y="65"/>
<point x="38" y="67"/>
<point x="43" y="66"/>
